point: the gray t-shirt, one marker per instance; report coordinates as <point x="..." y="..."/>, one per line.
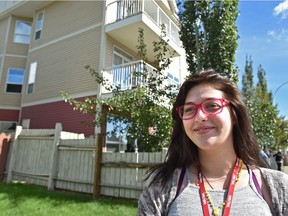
<point x="246" y="201"/>
<point x="156" y="200"/>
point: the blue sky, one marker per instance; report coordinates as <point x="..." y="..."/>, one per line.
<point x="263" y="30"/>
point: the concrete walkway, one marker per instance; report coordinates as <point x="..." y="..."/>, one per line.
<point x="285" y="169"/>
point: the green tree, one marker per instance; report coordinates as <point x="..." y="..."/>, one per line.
<point x="247" y="80"/>
<point x="265" y="113"/>
<point x="270" y="129"/>
<point x="145" y="110"/>
<point x="209" y="35"/>
<point x="281" y="134"/>
<point x="248" y="88"/>
<point x="260" y="105"/>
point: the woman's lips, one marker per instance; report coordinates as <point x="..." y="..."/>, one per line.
<point x="203" y="129"/>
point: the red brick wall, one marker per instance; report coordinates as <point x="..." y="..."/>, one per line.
<point x="47" y="115"/>
<point x="9" y="115"/>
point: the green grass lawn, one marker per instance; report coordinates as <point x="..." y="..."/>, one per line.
<point x="18" y="199"/>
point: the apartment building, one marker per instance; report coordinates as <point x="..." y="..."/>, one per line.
<point x="44" y="46"/>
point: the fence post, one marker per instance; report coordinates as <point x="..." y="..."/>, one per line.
<point x="54" y="160"/>
<point x="13" y="154"/>
<point x="97" y="167"/>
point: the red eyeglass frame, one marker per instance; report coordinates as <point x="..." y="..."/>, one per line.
<point x="224" y="102"/>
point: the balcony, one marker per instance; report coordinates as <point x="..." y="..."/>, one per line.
<point x="130" y="75"/>
<point x="124" y="18"/>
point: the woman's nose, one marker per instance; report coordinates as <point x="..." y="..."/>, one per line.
<point x="200" y="115"/>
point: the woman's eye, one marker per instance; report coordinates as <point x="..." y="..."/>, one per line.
<point x="189" y="109"/>
<point x="212" y="106"/>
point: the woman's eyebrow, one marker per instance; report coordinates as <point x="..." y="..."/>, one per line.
<point x="204" y="99"/>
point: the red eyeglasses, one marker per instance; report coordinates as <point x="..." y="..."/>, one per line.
<point x="209" y="107"/>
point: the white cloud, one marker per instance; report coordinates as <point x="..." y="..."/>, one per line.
<point x="281" y="35"/>
<point x="282" y="9"/>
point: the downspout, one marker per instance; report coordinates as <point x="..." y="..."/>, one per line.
<point x="101" y="61"/>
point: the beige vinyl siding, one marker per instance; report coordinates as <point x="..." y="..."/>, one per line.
<point x="10" y="99"/>
<point x="60" y="66"/>
<point x="16" y="48"/>
<point x="1" y="77"/>
<point x="109" y="52"/>
<point x="65" y="17"/>
<point x="3" y="30"/>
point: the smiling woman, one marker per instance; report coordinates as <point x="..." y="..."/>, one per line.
<point x="213" y="165"/>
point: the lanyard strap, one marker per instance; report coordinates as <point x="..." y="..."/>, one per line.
<point x="230" y="194"/>
<point x="203" y="197"/>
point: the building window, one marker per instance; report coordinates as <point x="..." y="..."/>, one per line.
<point x="122" y="57"/>
<point x="15" y="79"/>
<point x="39" y="25"/>
<point x="22" y="32"/>
<point x="116" y="139"/>
<point x="32" y="75"/>
<point x="172" y="77"/>
<point x="121" y="74"/>
<point x="7" y="126"/>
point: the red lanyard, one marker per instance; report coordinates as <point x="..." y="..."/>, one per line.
<point x="229" y="197"/>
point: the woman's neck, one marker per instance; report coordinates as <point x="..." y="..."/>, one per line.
<point x="216" y="166"/>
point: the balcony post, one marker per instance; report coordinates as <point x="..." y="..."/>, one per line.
<point x="143" y="5"/>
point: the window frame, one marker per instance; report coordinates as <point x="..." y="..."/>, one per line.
<point x="125" y="56"/>
<point x="10" y="129"/>
<point x="31" y="78"/>
<point x="38" y="29"/>
<point x="14" y="83"/>
<point x="20" y="34"/>
<point x="120" y="73"/>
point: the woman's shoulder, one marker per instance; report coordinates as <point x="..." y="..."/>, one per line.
<point x="172" y="181"/>
<point x="155" y="197"/>
<point x="275" y="175"/>
<point x="274" y="178"/>
<point x="274" y="187"/>
<point x="277" y="183"/>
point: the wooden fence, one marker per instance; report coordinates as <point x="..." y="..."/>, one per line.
<point x="63" y="160"/>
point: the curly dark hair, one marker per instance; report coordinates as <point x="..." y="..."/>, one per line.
<point x="183" y="152"/>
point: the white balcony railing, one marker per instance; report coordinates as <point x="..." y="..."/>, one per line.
<point x="122" y="9"/>
<point x="126" y="76"/>
<point x="130" y="75"/>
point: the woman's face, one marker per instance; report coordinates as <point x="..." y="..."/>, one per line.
<point x="208" y="132"/>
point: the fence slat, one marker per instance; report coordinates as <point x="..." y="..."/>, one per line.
<point x="97" y="167"/>
<point x="58" y="129"/>
<point x="13" y="156"/>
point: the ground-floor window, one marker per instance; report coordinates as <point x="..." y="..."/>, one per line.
<point x="15" y="80"/>
<point x="116" y="140"/>
<point x="6" y="127"/>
